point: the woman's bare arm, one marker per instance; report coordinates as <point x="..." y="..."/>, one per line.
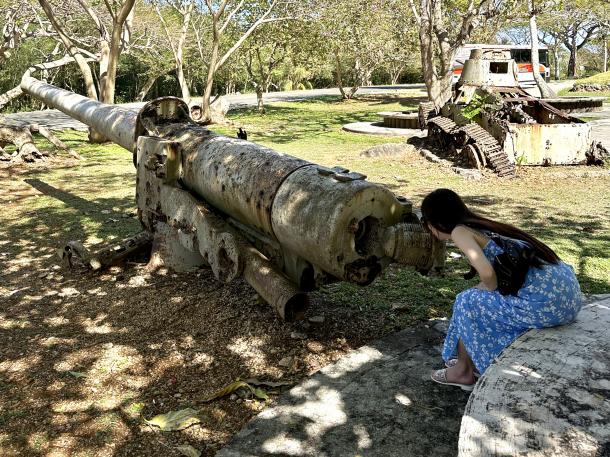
<point x="464" y="239"/>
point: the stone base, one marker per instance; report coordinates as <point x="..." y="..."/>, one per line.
<point x="547" y="394"/>
<point x="377" y="128"/>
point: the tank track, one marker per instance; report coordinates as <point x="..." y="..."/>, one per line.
<point x="489" y="150"/>
<point x="425" y="112"/>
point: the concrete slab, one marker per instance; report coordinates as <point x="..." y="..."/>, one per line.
<point x="377" y="128"/>
<point x="376" y="401"/>
<point x="547" y="394"/>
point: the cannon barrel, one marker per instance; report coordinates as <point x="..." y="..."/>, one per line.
<point x="113" y="122"/>
<point x="316" y="223"/>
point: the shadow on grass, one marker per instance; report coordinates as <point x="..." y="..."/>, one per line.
<point x="151" y="342"/>
<point x="302" y="122"/>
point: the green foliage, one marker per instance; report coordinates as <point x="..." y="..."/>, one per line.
<point x="473" y="109"/>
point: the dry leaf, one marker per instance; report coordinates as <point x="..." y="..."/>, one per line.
<point x="175" y="420"/>
<point x="228" y="390"/>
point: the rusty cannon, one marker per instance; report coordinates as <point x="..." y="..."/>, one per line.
<point x="285" y="225"/>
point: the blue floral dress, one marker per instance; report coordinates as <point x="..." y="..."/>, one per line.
<point x="487" y="321"/>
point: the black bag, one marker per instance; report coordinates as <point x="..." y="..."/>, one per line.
<point x="512" y="265"/>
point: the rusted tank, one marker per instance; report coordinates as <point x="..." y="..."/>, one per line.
<point x="286" y="225"/>
<point x="492" y="122"/>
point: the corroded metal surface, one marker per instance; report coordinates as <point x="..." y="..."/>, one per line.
<point x="425" y="111"/>
<point x="238" y="177"/>
<point x="511" y="126"/>
<point x="489" y="148"/>
<point x="411" y="244"/>
<point x="549" y="144"/>
<point x="547" y="394"/>
<point x="113" y="122"/>
<point x="189" y="234"/>
<point x="444" y="123"/>
<point x="335" y="223"/>
<point x="399" y="119"/>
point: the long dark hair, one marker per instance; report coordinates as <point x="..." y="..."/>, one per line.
<point x="443" y="209"/>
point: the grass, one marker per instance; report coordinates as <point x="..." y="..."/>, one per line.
<point x="154" y="338"/>
<point x="94" y="200"/>
<point x="601" y="93"/>
<point x="599" y="78"/>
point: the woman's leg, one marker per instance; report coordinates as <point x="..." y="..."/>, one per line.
<point x="463" y="371"/>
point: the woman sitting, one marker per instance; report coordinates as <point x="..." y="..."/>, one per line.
<point x="484" y="320"/>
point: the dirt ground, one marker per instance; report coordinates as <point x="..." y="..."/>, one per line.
<point x="84" y="357"/>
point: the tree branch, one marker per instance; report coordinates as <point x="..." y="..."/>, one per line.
<point x="96" y="20"/>
<point x="230" y="16"/>
<point x="243" y="38"/>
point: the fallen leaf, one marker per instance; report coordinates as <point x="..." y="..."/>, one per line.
<point x="228" y="390"/>
<point x="175" y="420"/>
<point x="260" y="393"/>
<point x="188" y="450"/>
<point x="77" y="374"/>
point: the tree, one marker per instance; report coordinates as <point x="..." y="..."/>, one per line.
<point x="45" y="66"/>
<point x="265" y="51"/>
<point x="360" y="38"/>
<point x="244" y="21"/>
<point x="184" y="8"/>
<point x="72" y="49"/>
<point x="441" y="33"/>
<point x="110" y="43"/>
<point x="533" y="11"/>
<point x="21" y="23"/>
<point x="551" y="39"/>
<point x="575" y="23"/>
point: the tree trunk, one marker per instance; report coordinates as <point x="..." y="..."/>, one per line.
<point x="22" y="138"/>
<point x="339" y="76"/>
<point x="259" y="99"/>
<point x="94" y="136"/>
<point x="206" y="114"/>
<point x="545" y="90"/>
<point x="184" y="88"/>
<point x="572" y="69"/>
<point x="10" y="95"/>
<point x="605" y="44"/>
<point x="45" y="132"/>
<point x="557" y="63"/>
<point x="115" y="51"/>
<point x="103" y="63"/>
<point x="146" y="87"/>
<point x="438" y="88"/>
<point x="186" y="19"/>
<point x="73" y="50"/>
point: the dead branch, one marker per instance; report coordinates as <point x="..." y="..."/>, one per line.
<point x="35" y="128"/>
<point x="22" y="138"/>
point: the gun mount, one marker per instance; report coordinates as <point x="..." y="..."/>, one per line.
<point x="286" y="225"/>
